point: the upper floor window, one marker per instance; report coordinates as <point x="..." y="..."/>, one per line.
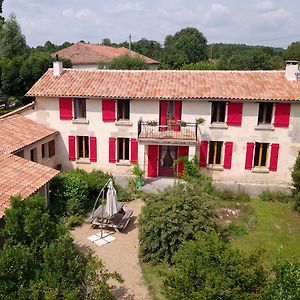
<point x="83" y="147"/>
<point x="218" y="111"/>
<point x="44" y="150"/>
<point x="123" y="149"/>
<point x="261" y="154"/>
<point x="79" y="108"/>
<point x="265" y="113"/>
<point x="215" y="153"/>
<point x="33" y="155"/>
<point x="123" y="109"/>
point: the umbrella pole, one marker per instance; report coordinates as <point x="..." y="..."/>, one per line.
<point x="102" y="212"/>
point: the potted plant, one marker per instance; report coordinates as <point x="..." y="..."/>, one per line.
<point x="139" y="173"/>
<point x="181" y="123"/>
<point x="152" y="123"/>
<point x="200" y="121"/>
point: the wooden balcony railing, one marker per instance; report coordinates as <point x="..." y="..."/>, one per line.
<point x="177" y="131"/>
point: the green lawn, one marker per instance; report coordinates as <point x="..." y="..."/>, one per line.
<point x="271" y="226"/>
<point x="276" y="229"/>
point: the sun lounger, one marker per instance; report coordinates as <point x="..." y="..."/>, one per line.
<point x="121" y="224"/>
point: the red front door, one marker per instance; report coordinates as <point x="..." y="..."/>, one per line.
<point x="167" y="156"/>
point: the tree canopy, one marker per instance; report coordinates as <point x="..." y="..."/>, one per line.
<point x="293" y="51"/>
<point x="125" y="62"/>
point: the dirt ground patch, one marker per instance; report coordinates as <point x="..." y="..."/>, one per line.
<point x="120" y="255"/>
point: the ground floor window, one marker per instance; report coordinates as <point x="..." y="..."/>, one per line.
<point x="51" y="148"/>
<point x="83" y="147"/>
<point x="261" y="154"/>
<point x="215" y="153"/>
<point x="123" y="149"/>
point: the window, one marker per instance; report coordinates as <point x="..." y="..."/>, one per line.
<point x="123" y="109"/>
<point x="51" y="148"/>
<point x="215" y="153"/>
<point x="265" y="113"/>
<point x="170" y="110"/>
<point x="83" y="147"/>
<point x="44" y="150"/>
<point x="261" y="154"/>
<point x="218" y="110"/>
<point x="33" y="156"/>
<point x="79" y="108"/>
<point x="123" y="149"/>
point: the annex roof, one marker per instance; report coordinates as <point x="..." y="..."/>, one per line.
<point x="17" y="132"/>
<point x="19" y="176"/>
<point x="125" y="84"/>
<point x="86" y="53"/>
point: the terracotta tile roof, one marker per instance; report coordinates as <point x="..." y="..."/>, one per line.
<point x="84" y="53"/>
<point x="246" y="85"/>
<point x="17" y="132"/>
<point x="19" y="176"/>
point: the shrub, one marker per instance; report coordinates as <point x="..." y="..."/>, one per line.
<point x="230" y="195"/>
<point x="172" y="217"/>
<point x="296" y="174"/>
<point x="209" y="268"/>
<point x="274" y="196"/>
<point x="286" y="284"/>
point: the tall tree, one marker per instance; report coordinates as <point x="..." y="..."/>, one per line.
<point x="293" y="51"/>
<point x="12" y="41"/>
<point x="125" y="62"/>
<point x="187" y="46"/>
<point x="1" y="4"/>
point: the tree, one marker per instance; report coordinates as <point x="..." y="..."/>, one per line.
<point x="187" y="46"/>
<point x="293" y="51"/>
<point x="148" y="48"/>
<point x="106" y="42"/>
<point x="209" y="268"/>
<point x="1" y="5"/>
<point x="12" y="41"/>
<point x="126" y="62"/>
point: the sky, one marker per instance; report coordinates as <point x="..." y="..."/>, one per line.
<point x="271" y="23"/>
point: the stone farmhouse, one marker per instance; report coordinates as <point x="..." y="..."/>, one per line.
<point x="111" y="119"/>
<point x="87" y="55"/>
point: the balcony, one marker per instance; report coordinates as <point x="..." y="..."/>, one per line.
<point x="177" y="133"/>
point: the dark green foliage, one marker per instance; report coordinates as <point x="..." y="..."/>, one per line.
<point x="12" y="41"/>
<point x="293" y="51"/>
<point x="190" y="167"/>
<point x="39" y="260"/>
<point x="209" y="268"/>
<point x="127" y="62"/>
<point x="296" y="182"/>
<point x="286" y="284"/>
<point x="230" y="195"/>
<point x="172" y="217"/>
<point x="51" y="48"/>
<point x="275" y="196"/>
<point x="187" y="46"/>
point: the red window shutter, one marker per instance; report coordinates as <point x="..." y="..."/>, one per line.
<point x="249" y="156"/>
<point x="234" y="114"/>
<point x="282" y="115"/>
<point x="93" y="149"/>
<point x="112" y="150"/>
<point x="203" y="153"/>
<point x="274" y="157"/>
<point x="108" y="110"/>
<point x="177" y="114"/>
<point x="152" y="160"/>
<point x="65" y="108"/>
<point x="72" y="147"/>
<point x="228" y="155"/>
<point x="182" y="151"/>
<point x="163" y="113"/>
<point x="133" y="151"/>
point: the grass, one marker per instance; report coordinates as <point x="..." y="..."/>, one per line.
<point x="276" y="230"/>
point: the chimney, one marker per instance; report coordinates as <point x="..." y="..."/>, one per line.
<point x="292" y="70"/>
<point x="57" y="67"/>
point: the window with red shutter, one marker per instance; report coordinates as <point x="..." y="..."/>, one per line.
<point x="203" y="153"/>
<point x="112" y="150"/>
<point x="108" y="110"/>
<point x="282" y="115"/>
<point x="152" y="160"/>
<point x="163" y="113"/>
<point x="249" y="156"/>
<point x="93" y="149"/>
<point x="234" y="114"/>
<point x="71" y="147"/>
<point x="133" y="151"/>
<point x="177" y="114"/>
<point x="228" y="155"/>
<point x="182" y="151"/>
<point x="274" y="157"/>
<point x="65" y="108"/>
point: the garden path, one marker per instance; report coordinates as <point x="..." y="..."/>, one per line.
<point x="120" y="255"/>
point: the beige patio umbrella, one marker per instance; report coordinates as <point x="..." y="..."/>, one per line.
<point x="111" y="201"/>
